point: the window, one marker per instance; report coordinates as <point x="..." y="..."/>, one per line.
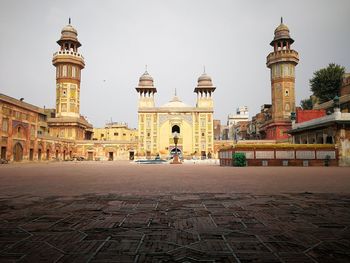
<point x="287" y="107"/>
<point x="64" y="73"/>
<point x="5" y="125"/>
<point x="124" y="134"/>
<point x="286" y="93"/>
<point x="64" y="107"/>
<point x="32" y="130"/>
<point x="73" y="72"/>
<point x="116" y="134"/>
<point x="19" y="132"/>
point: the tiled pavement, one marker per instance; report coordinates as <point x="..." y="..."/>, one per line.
<point x="204" y="227"/>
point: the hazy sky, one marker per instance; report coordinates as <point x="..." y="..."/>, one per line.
<point x="175" y="39"/>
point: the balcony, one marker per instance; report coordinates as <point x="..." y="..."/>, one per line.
<point x="67" y="53"/>
<point x="282" y="55"/>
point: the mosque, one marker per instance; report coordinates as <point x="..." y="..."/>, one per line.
<point x="193" y="125"/>
<point x="29" y="132"/>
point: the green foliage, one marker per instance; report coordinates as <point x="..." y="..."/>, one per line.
<point x="306" y="104"/>
<point x="239" y="159"/>
<point x="326" y="82"/>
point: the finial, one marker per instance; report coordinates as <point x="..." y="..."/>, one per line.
<point x="146" y="68"/>
<point x="204" y="69"/>
<point x="69" y="20"/>
<point x="281" y="19"/>
<point x="175" y="92"/>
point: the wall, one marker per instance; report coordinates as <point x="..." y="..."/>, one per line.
<point x="306" y="115"/>
<point x="282" y="154"/>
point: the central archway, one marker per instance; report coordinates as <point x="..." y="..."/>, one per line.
<point x="175" y="128"/>
<point x="173" y="151"/>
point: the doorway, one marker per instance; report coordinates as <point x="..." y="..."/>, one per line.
<point x="3" y="153"/>
<point x="56" y="155"/>
<point x="64" y="155"/>
<point x="131" y="156"/>
<point x="110" y="156"/>
<point x="203" y="155"/>
<point x="31" y="154"/>
<point x="90" y="156"/>
<point x="39" y="154"/>
<point x="18" y="152"/>
<point x="47" y="154"/>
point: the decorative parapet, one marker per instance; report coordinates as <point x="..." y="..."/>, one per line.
<point x="282" y="55"/>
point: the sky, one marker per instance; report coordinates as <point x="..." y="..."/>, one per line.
<point x="175" y="39"/>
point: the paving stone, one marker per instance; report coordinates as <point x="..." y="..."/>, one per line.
<point x="201" y="227"/>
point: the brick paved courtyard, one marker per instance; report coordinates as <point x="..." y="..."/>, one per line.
<point x="116" y="212"/>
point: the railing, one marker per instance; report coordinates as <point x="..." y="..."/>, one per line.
<point x="68" y="53"/>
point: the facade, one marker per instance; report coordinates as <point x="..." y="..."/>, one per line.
<point x="118" y="131"/>
<point x="157" y="126"/>
<point x="242" y="114"/>
<point x="281" y="62"/>
<point x="25" y="134"/>
<point x="217" y="129"/>
<point x="256" y="127"/>
<point x="330" y="124"/>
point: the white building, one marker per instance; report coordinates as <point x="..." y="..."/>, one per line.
<point x="242" y="114"/>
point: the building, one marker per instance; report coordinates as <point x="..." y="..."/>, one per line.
<point x="255" y="127"/>
<point x="281" y="62"/>
<point x="217" y="129"/>
<point x="242" y="114"/>
<point x="327" y="123"/>
<point x="193" y="125"/>
<point x="240" y="131"/>
<point x="25" y="134"/>
<point x="118" y="131"/>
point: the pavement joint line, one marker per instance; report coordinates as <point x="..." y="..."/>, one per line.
<point x="312" y="247"/>
<point x="59" y="250"/>
<point x="138" y="247"/>
<point x="212" y="220"/>
<point x="122" y="222"/>
<point x="98" y="249"/>
<point x="230" y="248"/>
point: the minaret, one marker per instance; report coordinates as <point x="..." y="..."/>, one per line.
<point x="282" y="62"/>
<point x="204" y="91"/>
<point x="146" y="91"/>
<point x="68" y="63"/>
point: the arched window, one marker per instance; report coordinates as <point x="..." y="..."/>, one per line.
<point x="19" y="132"/>
<point x="175" y="128"/>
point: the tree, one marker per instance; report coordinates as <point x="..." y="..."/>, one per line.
<point x="326" y="82"/>
<point x="306" y="104"/>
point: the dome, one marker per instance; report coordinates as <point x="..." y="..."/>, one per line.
<point x="69" y="33"/>
<point x="68" y="29"/>
<point x="282" y="32"/>
<point x="146" y="80"/>
<point x="175" y="102"/>
<point x="205" y="81"/>
<point x="281" y="27"/>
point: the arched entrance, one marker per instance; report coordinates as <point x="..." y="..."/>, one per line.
<point x="173" y="151"/>
<point x="175" y="128"/>
<point x="18" y="152"/>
